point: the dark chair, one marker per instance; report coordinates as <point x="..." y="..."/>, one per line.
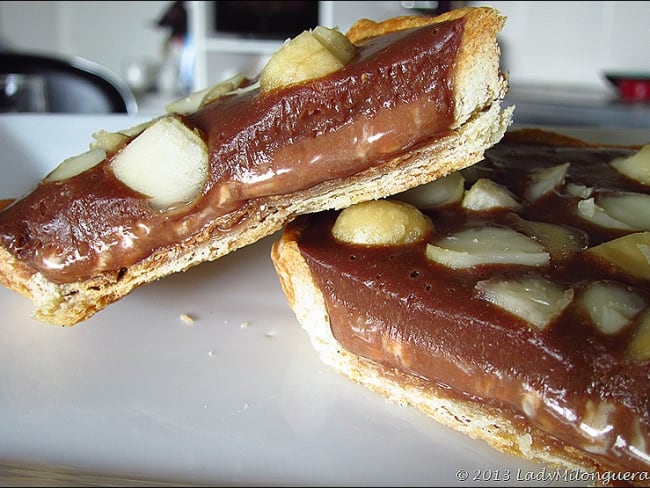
<point x="75" y="84"/>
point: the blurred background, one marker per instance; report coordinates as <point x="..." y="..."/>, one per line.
<point x="569" y="62"/>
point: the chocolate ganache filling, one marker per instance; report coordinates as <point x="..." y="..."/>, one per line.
<point x="574" y="383"/>
<point x="396" y="94"/>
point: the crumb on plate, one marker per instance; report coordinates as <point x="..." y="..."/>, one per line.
<point x="187" y="318"/>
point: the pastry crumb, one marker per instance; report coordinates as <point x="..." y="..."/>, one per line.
<point x="244" y="324"/>
<point x="187" y="318"/>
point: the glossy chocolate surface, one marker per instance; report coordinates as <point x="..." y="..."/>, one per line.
<point x="398" y="308"/>
<point x="396" y="94"/>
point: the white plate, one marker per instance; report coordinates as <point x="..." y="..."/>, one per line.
<point x="136" y="396"/>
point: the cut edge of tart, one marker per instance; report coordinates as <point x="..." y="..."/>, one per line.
<point x="477" y="421"/>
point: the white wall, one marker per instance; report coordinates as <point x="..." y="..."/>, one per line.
<point x="106" y="32"/>
<point x="543" y="42"/>
<point x="573" y="42"/>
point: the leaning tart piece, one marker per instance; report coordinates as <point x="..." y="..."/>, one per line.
<point x="332" y="120"/>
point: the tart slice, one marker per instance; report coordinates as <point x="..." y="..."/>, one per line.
<point x="331" y="120"/>
<point x="515" y="310"/>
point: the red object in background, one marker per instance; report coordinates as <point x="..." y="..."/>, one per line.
<point x="634" y="89"/>
<point x="631" y="87"/>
